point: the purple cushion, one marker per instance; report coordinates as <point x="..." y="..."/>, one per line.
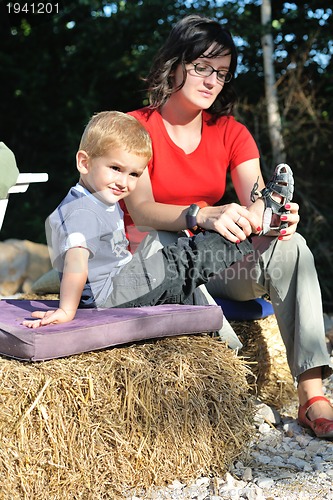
<point x="94" y="329"/>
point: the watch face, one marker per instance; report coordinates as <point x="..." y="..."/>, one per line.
<point x="193" y="210"/>
<point x="191" y="216"/>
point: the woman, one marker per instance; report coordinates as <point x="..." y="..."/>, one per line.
<point x="195" y="141"/>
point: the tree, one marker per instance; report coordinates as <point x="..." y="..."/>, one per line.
<point x="273" y="113"/>
<point x="57" y="70"/>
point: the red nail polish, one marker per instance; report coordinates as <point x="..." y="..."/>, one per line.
<point x="280" y="238"/>
<point x="258" y="228"/>
<point x="283" y="231"/>
<point x="238" y="241"/>
<point x="287" y="206"/>
<point x="283" y="217"/>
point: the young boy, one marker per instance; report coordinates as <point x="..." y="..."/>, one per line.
<point x="87" y="238"/>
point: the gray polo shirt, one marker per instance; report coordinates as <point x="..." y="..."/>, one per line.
<point x="82" y="220"/>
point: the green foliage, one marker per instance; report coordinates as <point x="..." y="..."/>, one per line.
<point x="57" y="69"/>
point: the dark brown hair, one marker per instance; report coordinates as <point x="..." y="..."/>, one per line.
<point x="190" y="38"/>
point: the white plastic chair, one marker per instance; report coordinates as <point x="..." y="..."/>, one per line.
<point x="22" y="184"/>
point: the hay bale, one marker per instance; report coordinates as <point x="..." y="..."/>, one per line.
<point x="99" y="424"/>
<point x="265" y="353"/>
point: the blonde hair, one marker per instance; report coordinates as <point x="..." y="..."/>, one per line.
<point x="114" y="130"/>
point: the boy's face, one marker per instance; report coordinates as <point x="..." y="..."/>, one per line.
<point x="111" y="177"/>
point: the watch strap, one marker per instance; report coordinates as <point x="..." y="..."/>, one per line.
<point x="191" y="215"/>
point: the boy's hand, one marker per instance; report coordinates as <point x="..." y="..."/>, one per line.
<point x="48" y="318"/>
<point x="74" y="278"/>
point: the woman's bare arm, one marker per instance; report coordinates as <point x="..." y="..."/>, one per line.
<point x="146" y="212"/>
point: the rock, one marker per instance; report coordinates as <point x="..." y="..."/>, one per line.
<point x="247" y="474"/>
<point x="14" y="261"/>
<point x="265" y="482"/>
<point x="21" y="263"/>
<point x="268" y="413"/>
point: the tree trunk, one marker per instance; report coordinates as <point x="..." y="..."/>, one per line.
<point x="274" y="117"/>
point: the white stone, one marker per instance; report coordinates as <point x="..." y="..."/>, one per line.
<point x="202" y="480"/>
<point x="299" y="454"/>
<point x="264" y="428"/>
<point x="318" y="466"/>
<point x="247" y="474"/>
<point x="314" y="445"/>
<point x="264" y="459"/>
<point x="265" y="483"/>
<point x="175" y="485"/>
<point x="268" y="413"/>
<point x="300" y="464"/>
<point x="279" y="461"/>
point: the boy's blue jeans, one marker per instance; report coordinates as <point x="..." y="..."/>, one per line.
<point x="172" y="274"/>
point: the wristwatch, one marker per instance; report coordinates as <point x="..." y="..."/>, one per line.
<point x="191" y="215"/>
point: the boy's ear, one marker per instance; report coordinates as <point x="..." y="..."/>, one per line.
<point x="82" y="162"/>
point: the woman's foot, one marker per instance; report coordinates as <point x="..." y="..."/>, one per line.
<point x="315" y="411"/>
<point x="320" y="409"/>
<point x="317" y="415"/>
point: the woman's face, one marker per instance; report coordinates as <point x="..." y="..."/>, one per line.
<point x="200" y="91"/>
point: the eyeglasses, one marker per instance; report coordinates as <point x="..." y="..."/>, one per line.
<point x="201" y="69"/>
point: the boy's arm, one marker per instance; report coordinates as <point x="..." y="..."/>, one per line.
<point x="74" y="278"/>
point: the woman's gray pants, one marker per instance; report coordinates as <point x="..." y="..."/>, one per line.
<point x="284" y="270"/>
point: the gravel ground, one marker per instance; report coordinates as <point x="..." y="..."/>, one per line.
<point x="284" y="461"/>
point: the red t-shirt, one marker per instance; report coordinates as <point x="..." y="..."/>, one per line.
<point x="181" y="179"/>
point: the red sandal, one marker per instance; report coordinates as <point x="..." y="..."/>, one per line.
<point x="321" y="427"/>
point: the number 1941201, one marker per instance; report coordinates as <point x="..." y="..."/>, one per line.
<point x="33" y="8"/>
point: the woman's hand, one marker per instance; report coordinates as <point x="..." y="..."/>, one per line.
<point x="292" y="219"/>
<point x="49" y="318"/>
<point x="236" y="222"/>
<point x="232" y="221"/>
